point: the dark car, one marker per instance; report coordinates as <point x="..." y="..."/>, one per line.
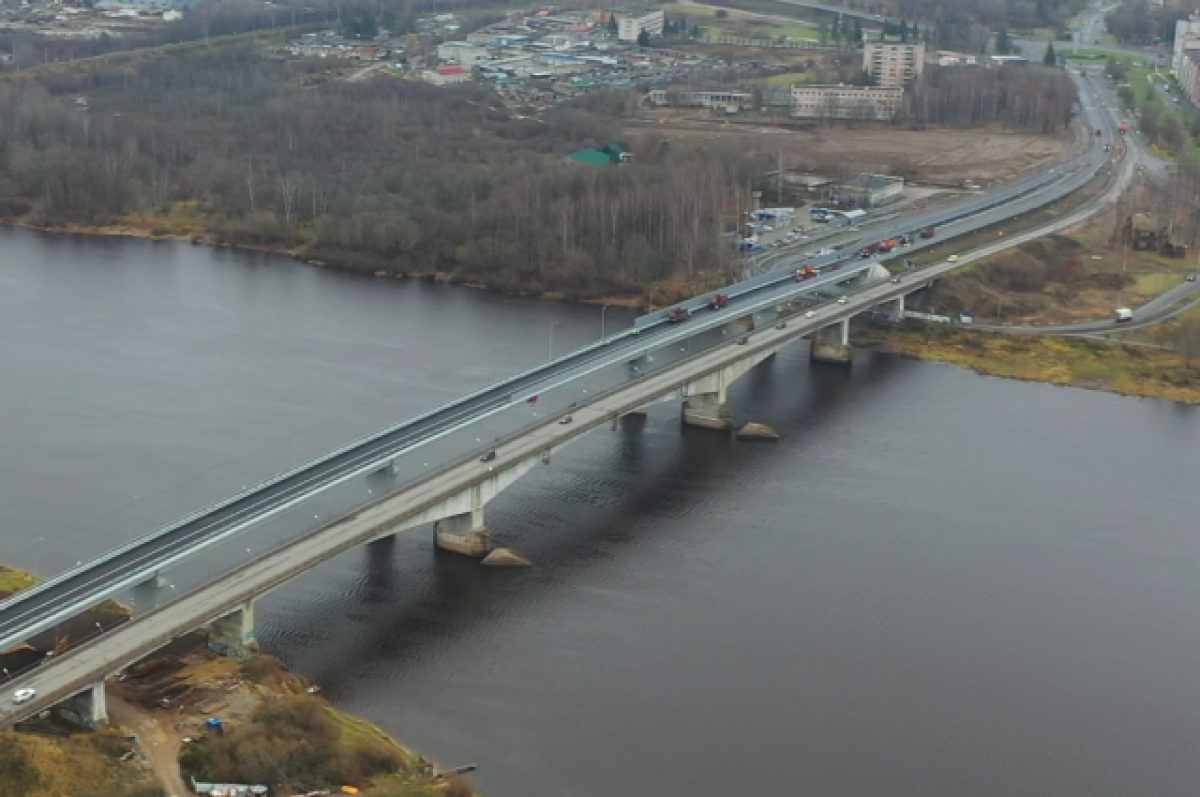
<point x="489" y="456"/>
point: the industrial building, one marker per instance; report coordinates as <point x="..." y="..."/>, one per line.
<point x="868" y="190"/>
<point x="893" y="63"/>
<point x="811" y="101"/>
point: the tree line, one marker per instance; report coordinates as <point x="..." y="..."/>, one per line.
<point x="1027" y="97"/>
<point x="1140" y="22"/>
<point x="379" y="175"/>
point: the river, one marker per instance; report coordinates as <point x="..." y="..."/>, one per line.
<point x="937" y="584"/>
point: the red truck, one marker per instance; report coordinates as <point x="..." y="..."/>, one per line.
<point x="886" y="245"/>
<point x="677" y="314"/>
<point x="928" y="232"/>
<point x="717" y="301"/>
<point x="1123" y="128"/>
<point x="806" y="272"/>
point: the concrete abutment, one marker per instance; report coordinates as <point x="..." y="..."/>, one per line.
<point x="831" y="344"/>
<point x="465" y="534"/>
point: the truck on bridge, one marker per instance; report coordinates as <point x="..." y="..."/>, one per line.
<point x="806" y="272"/>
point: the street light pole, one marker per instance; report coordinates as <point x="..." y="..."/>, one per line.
<point x="550" y="349"/>
<point x="650" y="300"/>
<point x="602" y="311"/>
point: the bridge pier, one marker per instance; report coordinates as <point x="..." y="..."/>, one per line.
<point x="458" y="524"/>
<point x="895" y="308"/>
<point x="234" y="633"/>
<point x="88" y="709"/>
<point x="466" y="534"/>
<point x="831" y="344"/>
<point x="705" y="402"/>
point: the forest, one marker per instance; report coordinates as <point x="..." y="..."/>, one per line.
<point x="1142" y="22"/>
<point x="233" y="146"/>
<point x="383" y="175"/>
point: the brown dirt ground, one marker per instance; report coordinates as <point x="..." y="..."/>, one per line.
<point x="930" y="155"/>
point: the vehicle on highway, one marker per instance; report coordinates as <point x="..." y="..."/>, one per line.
<point x="1191" y="277"/>
<point x="806" y="272"/>
<point x="565" y="420"/>
<point x="928" y="232"/>
<point x="810" y="314"/>
<point x="23" y="695"/>
<point x="842" y="300"/>
<point x="895" y="280"/>
<point x="1123" y="314"/>
<point x="678" y="314"/>
<point x="489" y="456"/>
<point x="952" y="258"/>
<point x="717" y="301"/>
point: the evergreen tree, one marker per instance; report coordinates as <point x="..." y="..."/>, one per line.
<point x="613" y="27"/>
<point x="643" y="39"/>
<point x="1003" y="43"/>
<point x="1050" y="59"/>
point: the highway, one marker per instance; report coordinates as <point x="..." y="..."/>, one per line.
<point x="79" y="667"/>
<point x="61" y="597"/>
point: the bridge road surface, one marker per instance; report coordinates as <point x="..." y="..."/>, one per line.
<point x="39" y="608"/>
<point x="81" y="666"/>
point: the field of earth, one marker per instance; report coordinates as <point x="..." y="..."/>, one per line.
<point x="938" y="156"/>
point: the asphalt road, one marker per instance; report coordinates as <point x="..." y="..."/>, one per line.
<point x="1157" y="310"/>
<point x="63" y="596"/>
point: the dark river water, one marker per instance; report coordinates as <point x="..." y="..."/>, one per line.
<point x="937" y="584"/>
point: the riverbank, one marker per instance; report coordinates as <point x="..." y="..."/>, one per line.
<point x="666" y="291"/>
<point x="1115" y="367"/>
<point x="270" y="717"/>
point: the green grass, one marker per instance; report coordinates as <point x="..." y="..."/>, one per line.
<point x="788" y="78"/>
<point x="734" y="24"/>
<point x="13" y="580"/>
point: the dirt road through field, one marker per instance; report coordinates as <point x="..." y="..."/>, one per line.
<point x="157" y="740"/>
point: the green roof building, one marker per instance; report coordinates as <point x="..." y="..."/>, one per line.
<point x="607" y="155"/>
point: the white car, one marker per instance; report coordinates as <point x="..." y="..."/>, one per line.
<point x="24" y="695"/>
<point x="842" y="300"/>
<point x="895" y="280"/>
<point x="953" y="258"/>
<point x="810" y="314"/>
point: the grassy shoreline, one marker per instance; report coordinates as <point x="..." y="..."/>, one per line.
<point x="1087" y="363"/>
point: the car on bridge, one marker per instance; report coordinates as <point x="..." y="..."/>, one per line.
<point x="24" y="695"/>
<point x="718" y="301"/>
<point x="678" y="314"/>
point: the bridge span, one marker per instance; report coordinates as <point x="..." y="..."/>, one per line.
<point x="762" y="318"/>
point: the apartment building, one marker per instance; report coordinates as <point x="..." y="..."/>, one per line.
<point x="1184" y="56"/>
<point x="632" y="21"/>
<point x="846" y="102"/>
<point x="893" y="63"/>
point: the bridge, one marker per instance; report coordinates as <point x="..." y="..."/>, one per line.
<point x="693" y="363"/>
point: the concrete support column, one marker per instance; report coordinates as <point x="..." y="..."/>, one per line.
<point x="831" y="344"/>
<point x="466" y="533"/>
<point x="99" y="713"/>
<point x="88" y="709"/>
<point x="708" y="411"/>
<point x="233" y="634"/>
<point x="896" y="306"/>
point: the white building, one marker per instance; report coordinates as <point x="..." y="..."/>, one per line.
<point x="631" y="22"/>
<point x="893" y="63"/>
<point x="686" y="98"/>
<point x="846" y="102"/>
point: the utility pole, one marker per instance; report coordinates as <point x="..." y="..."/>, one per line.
<point x="780" y="197"/>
